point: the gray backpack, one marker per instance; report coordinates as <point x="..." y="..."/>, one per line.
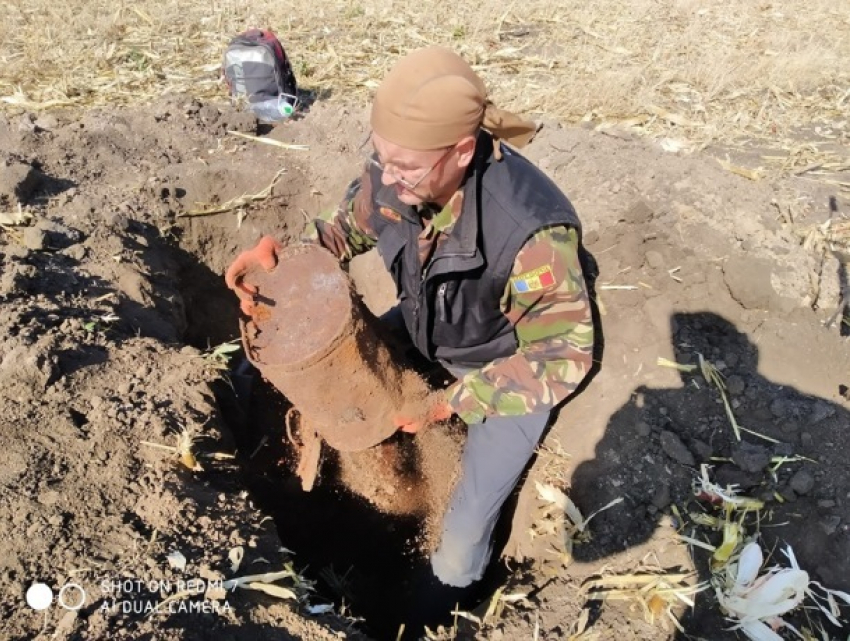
<point x="256" y="68"/>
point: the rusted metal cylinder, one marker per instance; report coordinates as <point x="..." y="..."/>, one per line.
<point x="314" y="340"/>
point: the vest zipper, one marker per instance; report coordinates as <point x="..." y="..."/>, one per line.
<point x="441" y="301"/>
<point x="419" y="296"/>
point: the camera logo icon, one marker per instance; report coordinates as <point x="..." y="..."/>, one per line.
<point x="71" y="596"/>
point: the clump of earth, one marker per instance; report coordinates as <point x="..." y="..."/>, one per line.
<point x="114" y="306"/>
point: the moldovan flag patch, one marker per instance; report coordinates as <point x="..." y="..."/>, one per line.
<point x="534" y="280"/>
<point x="390" y="214"/>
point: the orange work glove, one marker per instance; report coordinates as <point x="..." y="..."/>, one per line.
<point x="440" y="410"/>
<point x="263" y="255"/>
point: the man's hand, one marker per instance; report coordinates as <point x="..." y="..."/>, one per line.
<point x="440" y="410"/>
<point x="263" y="255"/>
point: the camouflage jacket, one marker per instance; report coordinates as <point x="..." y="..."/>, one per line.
<point x="546" y="301"/>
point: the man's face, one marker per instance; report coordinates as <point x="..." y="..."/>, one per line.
<point x="418" y="176"/>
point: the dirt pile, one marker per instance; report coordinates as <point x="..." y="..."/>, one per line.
<point x="113" y="300"/>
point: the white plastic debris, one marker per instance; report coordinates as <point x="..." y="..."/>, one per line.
<point x="235" y="557"/>
<point x="176" y="560"/>
<point x="757" y="603"/>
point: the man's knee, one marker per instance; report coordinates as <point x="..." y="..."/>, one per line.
<point x="459" y="562"/>
<point x="465" y="544"/>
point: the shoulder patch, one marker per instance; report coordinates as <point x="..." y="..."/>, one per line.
<point x="534" y="280"/>
<point x="390" y="214"/>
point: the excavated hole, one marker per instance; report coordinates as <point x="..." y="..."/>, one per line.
<point x="358" y="555"/>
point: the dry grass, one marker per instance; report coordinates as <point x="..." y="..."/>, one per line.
<point x="690" y="69"/>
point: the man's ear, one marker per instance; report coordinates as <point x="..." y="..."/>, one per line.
<point x="465" y="151"/>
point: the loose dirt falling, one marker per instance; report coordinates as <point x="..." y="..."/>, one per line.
<point x="313" y="339"/>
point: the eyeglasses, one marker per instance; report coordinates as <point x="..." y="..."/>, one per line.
<point x="392" y="170"/>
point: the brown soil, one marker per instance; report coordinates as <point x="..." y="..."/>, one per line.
<point x="113" y="296"/>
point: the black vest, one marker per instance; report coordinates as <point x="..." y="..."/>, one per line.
<point x="452" y="308"/>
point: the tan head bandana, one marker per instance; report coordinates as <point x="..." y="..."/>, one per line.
<point x="432" y="98"/>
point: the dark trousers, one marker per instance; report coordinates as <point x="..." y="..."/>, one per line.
<point x="494" y="456"/>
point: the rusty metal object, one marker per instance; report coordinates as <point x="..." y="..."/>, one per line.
<point x="312" y="338"/>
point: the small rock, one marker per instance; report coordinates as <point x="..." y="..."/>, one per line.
<point x="188" y="350"/>
<point x="802" y="482"/>
<point x="826" y="503"/>
<point x="643" y="428"/>
<point x="830" y="524"/>
<point x="640" y="212"/>
<point x="46" y="122"/>
<point x="49" y="497"/>
<point x="118" y="221"/>
<point x="789" y="495"/>
<point x="821" y="410"/>
<point x="662" y="499"/>
<point x="730" y="475"/>
<point x="34" y="239"/>
<point x="703" y="450"/>
<point x="749" y="281"/>
<point x="676" y="449"/>
<point x="806" y="439"/>
<point x="751" y="458"/>
<point x="766" y="496"/>
<point x="789" y="426"/>
<point x="735" y="385"/>
<point x="77" y="252"/>
<point x="783" y="449"/>
<point x="18" y="181"/>
<point x="763" y="414"/>
<point x="779" y="408"/>
<point x="96" y="401"/>
<point x="59" y="234"/>
<point x="654" y="259"/>
<point x="124" y="388"/>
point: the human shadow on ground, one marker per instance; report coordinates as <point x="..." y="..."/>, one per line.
<point x="653" y="447"/>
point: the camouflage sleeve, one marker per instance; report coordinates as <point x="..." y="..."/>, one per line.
<point x="546" y="300"/>
<point x="346" y="231"/>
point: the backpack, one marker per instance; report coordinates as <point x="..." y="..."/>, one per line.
<point x="256" y="68"/>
